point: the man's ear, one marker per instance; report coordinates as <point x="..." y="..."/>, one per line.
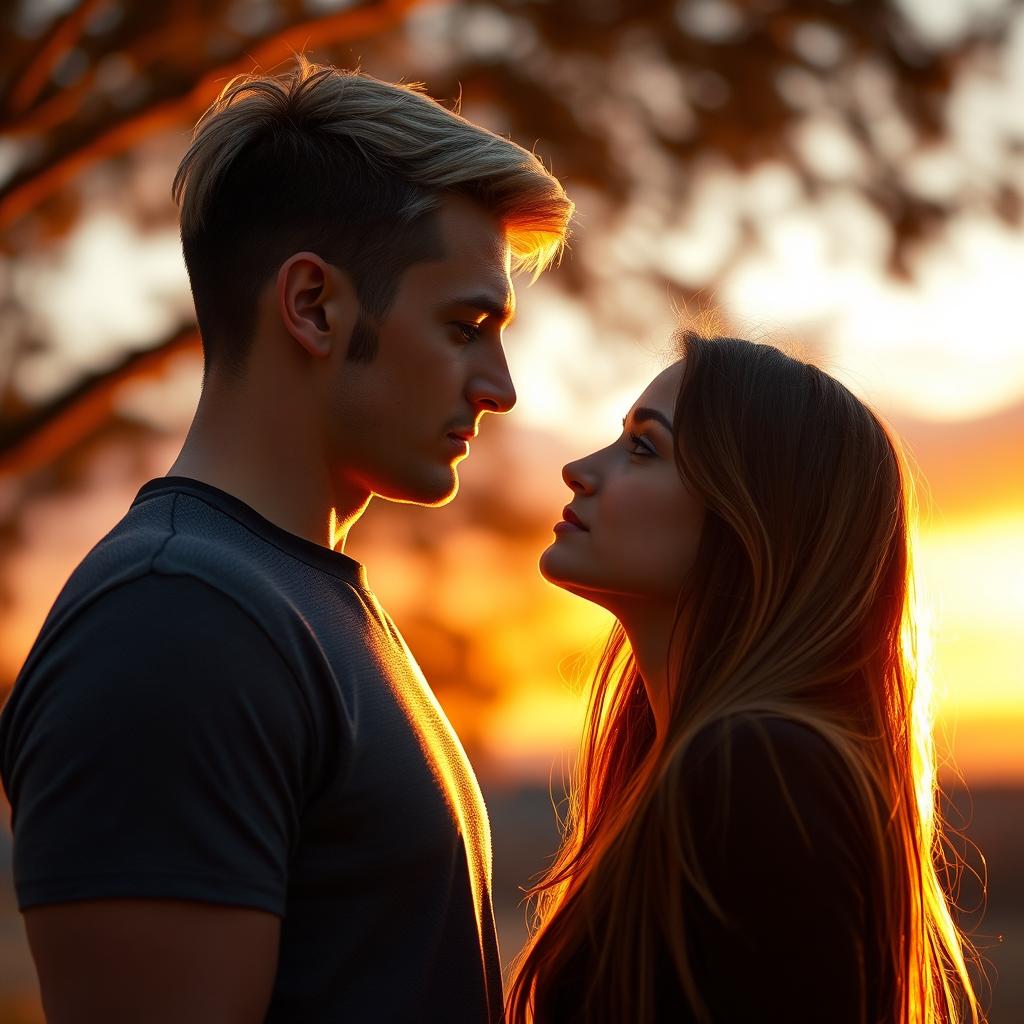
<point x="316" y="302"/>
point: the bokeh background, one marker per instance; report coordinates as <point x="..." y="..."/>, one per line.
<point x="842" y="176"/>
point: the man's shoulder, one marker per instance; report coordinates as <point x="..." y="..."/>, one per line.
<point x="173" y="589"/>
<point x="119" y="581"/>
<point x="152" y="603"/>
<point x="174" y="548"/>
<point x="152" y="625"/>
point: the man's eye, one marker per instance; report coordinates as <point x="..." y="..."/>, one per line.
<point x="469" y="332"/>
<point x="641" y="446"/>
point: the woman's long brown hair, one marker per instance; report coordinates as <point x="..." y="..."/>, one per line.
<point x="800" y="604"/>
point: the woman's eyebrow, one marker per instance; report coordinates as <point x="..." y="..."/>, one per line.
<point x="643" y="413"/>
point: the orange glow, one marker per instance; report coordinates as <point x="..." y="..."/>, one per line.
<point x="917" y="643"/>
<point x="169" y="116"/>
<point x="975" y="593"/>
<point x="510" y="657"/>
<point x="444" y="753"/>
<point x="533" y="643"/>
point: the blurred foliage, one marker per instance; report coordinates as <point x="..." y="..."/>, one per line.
<point x="632" y="104"/>
<point x="629" y="102"/>
<point x="611" y="88"/>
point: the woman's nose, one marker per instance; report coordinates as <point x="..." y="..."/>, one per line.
<point x="578" y="477"/>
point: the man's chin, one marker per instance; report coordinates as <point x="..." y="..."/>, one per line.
<point x="432" y="492"/>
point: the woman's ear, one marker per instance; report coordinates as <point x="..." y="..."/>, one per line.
<point x="316" y="302"/>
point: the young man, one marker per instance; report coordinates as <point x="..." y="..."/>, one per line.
<point x="234" y="797"/>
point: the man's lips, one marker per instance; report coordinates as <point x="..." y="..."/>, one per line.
<point x="459" y="439"/>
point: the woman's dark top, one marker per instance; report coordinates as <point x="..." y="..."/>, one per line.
<point x="799" y="943"/>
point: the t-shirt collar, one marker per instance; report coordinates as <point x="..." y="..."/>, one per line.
<point x="305" y="550"/>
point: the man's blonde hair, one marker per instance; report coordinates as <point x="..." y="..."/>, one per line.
<point x="350" y="167"/>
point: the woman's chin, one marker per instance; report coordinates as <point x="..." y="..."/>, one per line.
<point x="559" y="571"/>
<point x="567" y="574"/>
<point x="553" y="568"/>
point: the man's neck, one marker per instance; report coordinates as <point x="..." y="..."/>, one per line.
<point x="274" y="464"/>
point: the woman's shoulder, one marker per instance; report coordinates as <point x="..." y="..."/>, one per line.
<point x="754" y="749"/>
<point x="753" y="737"/>
<point x="765" y="780"/>
<point x="782" y="851"/>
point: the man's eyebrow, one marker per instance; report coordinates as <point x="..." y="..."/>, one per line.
<point x="501" y="309"/>
<point x="643" y="413"/>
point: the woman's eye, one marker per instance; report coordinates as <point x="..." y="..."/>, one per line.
<point x="641" y="446"/>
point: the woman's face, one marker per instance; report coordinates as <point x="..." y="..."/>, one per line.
<point x="630" y="533"/>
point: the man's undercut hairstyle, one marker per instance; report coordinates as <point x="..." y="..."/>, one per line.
<point x="351" y="168"/>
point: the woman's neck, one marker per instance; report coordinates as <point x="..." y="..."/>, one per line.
<point x="650" y="630"/>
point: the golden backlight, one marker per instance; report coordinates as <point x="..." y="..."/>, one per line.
<point x="531" y="644"/>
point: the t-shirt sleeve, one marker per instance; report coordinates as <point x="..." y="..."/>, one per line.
<point x="160" y="749"/>
<point x="780" y="851"/>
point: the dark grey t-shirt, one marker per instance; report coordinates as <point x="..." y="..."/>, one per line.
<point x="217" y="709"/>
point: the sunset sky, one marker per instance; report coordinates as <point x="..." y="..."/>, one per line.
<point x="844" y="179"/>
<point x="940" y="356"/>
<point x="958" y="398"/>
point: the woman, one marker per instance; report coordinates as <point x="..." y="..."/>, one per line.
<point x="751" y="827"/>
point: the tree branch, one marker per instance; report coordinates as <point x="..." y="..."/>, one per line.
<point x="32" y="185"/>
<point x="61" y="37"/>
<point x="53" y="428"/>
<point x="62" y="106"/>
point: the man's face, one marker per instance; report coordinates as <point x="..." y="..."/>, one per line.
<point x="399" y="422"/>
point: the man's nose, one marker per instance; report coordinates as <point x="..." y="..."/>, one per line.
<point x="491" y="389"/>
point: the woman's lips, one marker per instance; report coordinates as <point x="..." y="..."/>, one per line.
<point x="570" y="522"/>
